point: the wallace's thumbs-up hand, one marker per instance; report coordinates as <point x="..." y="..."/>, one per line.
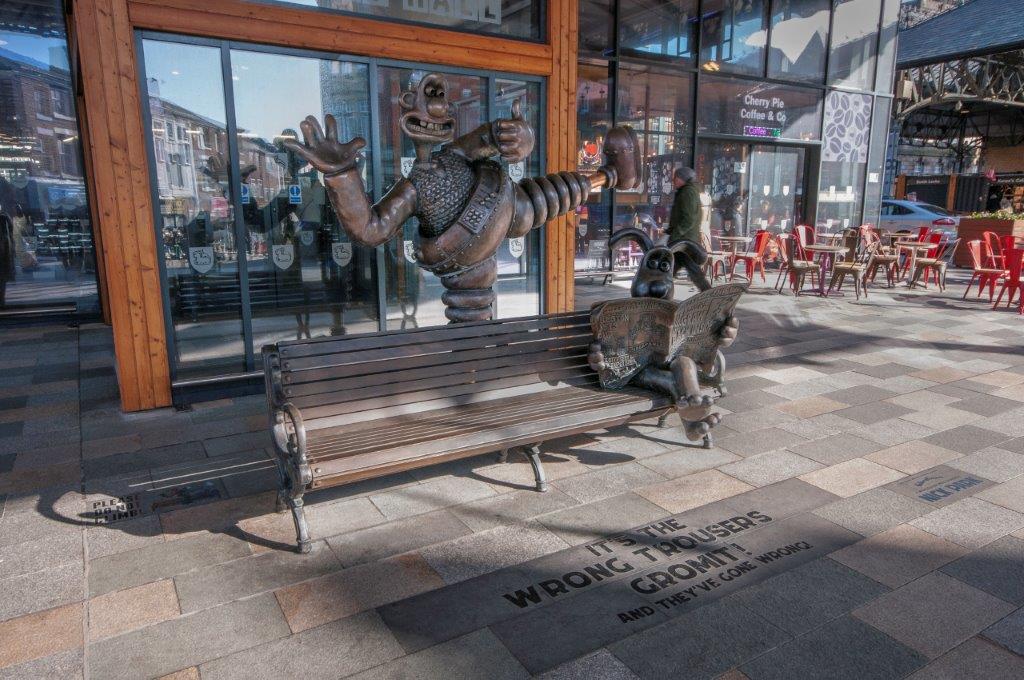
<point x="513" y="136"/>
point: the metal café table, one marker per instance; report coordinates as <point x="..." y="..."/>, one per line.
<point x="731" y="245"/>
<point x="826" y="257"/>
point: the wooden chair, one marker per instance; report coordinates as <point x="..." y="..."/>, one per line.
<point x="985" y="276"/>
<point x="753" y="260"/>
<point x="796" y="269"/>
<point x="935" y="265"/>
<point x="881" y="258"/>
<point x="854" y="264"/>
<point x="1011" y="277"/>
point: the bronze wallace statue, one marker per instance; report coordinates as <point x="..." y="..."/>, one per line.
<point x="465" y="201"/>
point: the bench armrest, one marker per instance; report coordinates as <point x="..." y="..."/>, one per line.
<point x="289" y="434"/>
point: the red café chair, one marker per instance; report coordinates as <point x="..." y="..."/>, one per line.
<point x="804" y="237"/>
<point x="985" y="276"/>
<point x="922" y="233"/>
<point x="1011" y="280"/>
<point x="994" y="250"/>
<point x="753" y="260"/>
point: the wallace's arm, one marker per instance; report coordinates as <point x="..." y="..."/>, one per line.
<point x="369" y="225"/>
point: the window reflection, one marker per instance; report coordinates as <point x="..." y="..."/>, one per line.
<point x="513" y="18"/>
<point x="851" y="61"/>
<point x="597" y="23"/>
<point x="414" y="295"/>
<point x="734" y="33"/>
<point x="593" y="119"/>
<point x="844" y="156"/>
<point x="46" y="245"/>
<point x="665" y="28"/>
<point x="305" y="276"/>
<point x="658" y="105"/>
<point x="189" y="135"/>
<point x="518" y="285"/>
<point x="799" y="39"/>
<point x="887" y="46"/>
<point x="876" y="162"/>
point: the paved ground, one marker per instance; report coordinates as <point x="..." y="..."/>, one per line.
<point x="861" y="516"/>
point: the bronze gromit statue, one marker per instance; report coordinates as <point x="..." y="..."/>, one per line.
<point x="679" y="376"/>
<point x="464" y="199"/>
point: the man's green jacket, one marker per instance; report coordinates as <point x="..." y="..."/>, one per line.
<point x="684" y="221"/>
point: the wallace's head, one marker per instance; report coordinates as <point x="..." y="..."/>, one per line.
<point x="426" y="112"/>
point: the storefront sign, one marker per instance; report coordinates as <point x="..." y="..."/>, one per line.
<point x="283" y="256"/>
<point x="517" y="246"/>
<point x="201" y="259"/>
<point x="246" y="196"/>
<point x="341" y="253"/>
<point x="294" y="194"/>
<point x="757" y="109"/>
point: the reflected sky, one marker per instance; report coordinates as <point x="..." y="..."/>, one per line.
<point x="188" y="76"/>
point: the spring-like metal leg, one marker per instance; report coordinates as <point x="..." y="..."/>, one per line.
<point x="533" y="453"/>
<point x="663" y="420"/>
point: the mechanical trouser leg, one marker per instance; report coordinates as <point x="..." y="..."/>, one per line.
<point x="469" y="294"/>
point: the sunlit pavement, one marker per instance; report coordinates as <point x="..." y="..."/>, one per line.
<point x="861" y="515"/>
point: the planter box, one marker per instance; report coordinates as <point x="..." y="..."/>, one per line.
<point x="972" y="228"/>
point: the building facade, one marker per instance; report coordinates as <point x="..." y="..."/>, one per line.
<point x="216" y="240"/>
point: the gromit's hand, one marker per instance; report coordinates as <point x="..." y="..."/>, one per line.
<point x="513" y="136"/>
<point x="727" y="335"/>
<point x="596" y="357"/>
<point x="323" y="151"/>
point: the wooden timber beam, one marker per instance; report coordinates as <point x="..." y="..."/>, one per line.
<point x="304" y="28"/>
<point x="116" y="148"/>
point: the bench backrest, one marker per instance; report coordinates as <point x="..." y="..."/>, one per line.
<point x="337" y="380"/>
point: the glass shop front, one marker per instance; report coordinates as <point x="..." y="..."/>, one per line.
<point x="781" y="107"/>
<point x="251" y="250"/>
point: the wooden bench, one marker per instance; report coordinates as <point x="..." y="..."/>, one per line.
<point x="344" y="409"/>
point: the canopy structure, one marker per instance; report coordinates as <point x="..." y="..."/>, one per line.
<point x="960" y="79"/>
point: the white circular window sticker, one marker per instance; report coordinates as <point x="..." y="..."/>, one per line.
<point x="341" y="253"/>
<point x="283" y="256"/>
<point x="201" y="259"/>
<point x="410" y="251"/>
<point x="517" y="246"/>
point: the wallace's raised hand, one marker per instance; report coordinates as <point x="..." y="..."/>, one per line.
<point x="323" y="151"/>
<point x="513" y="136"/>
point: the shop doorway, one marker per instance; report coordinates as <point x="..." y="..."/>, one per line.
<point x="753" y="186"/>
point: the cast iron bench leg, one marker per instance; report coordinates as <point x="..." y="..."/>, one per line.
<point x="533" y="453"/>
<point x="301" y="528"/>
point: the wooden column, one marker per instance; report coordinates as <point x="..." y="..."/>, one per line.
<point x="120" y="177"/>
<point x="560" y="240"/>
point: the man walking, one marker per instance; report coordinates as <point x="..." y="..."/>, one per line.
<point x="685" y="220"/>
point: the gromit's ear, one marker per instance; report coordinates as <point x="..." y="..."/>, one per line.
<point x="407" y="100"/>
<point x="640" y="237"/>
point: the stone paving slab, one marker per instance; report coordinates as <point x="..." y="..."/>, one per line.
<point x="976" y="659"/>
<point x="899" y="555"/>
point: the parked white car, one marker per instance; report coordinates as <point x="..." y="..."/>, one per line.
<point x="900" y="215"/>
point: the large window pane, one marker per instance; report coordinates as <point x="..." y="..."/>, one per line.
<point x="844" y="158"/>
<point x="851" y="61"/>
<point x="597" y="24"/>
<point x="733" y="35"/>
<point x="658" y="104"/>
<point x="414" y="295"/>
<point x="752" y="109"/>
<point x="518" y="285"/>
<point x="887" y="46"/>
<point x="512" y="18"/>
<point x="665" y="28"/>
<point x="799" y="39"/>
<point x="196" y="223"/>
<point x="593" y="119"/>
<point x="876" y="159"/>
<point x="50" y="257"/>
<point x="306" y="278"/>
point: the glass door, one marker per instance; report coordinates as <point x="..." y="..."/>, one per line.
<point x="776" y="187"/>
<point x="752" y="186"/>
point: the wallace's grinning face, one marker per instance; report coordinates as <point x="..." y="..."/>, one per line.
<point x="427" y="116"/>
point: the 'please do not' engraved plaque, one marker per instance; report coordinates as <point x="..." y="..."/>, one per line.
<point x="636" y="332"/>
